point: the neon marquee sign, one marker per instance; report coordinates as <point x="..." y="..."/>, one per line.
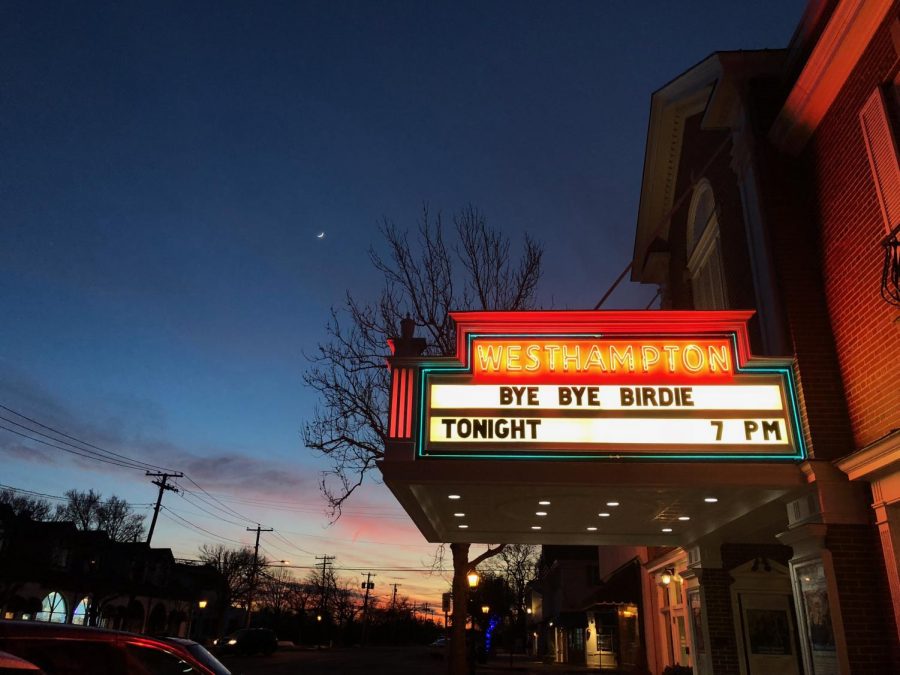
<point x="641" y="385"/>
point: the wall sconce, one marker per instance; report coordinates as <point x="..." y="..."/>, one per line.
<point x="667" y="576"/>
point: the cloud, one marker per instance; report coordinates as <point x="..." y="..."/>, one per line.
<point x="127" y="427"/>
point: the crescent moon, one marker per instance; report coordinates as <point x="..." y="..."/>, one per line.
<point x="321" y="235"/>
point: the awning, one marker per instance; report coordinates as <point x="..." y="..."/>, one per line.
<point x="623" y="587"/>
<point x="571" y="620"/>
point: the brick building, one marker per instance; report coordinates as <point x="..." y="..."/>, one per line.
<point x="771" y="183"/>
<point x="51" y="571"/>
<point x="768" y="217"/>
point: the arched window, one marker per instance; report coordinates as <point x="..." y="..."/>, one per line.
<point x="704" y="250"/>
<point x="53" y="608"/>
<point x="79" y="616"/>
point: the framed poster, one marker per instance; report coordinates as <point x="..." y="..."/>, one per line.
<point x="817" y="617"/>
<point x="769" y="632"/>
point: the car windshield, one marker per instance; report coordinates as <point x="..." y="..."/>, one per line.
<point x="203" y="656"/>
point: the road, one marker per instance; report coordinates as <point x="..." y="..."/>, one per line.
<point x="414" y="660"/>
<point x="371" y="660"/>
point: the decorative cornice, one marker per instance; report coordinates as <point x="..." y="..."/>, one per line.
<point x="846" y="36"/>
<point x="881" y="456"/>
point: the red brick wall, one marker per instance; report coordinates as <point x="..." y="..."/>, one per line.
<point x="790" y="211"/>
<point x="864" y="598"/>
<point x="866" y="333"/>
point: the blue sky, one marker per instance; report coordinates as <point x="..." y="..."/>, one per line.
<point x="166" y="167"/>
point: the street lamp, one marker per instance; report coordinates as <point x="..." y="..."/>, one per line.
<point x="202" y="604"/>
<point x="473" y="579"/>
<point x="485" y="609"/>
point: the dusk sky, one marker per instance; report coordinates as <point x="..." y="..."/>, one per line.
<point x="165" y="169"/>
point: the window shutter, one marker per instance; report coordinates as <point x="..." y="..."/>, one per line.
<point x="882" y="150"/>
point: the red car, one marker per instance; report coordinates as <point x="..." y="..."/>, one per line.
<point x="61" y="649"/>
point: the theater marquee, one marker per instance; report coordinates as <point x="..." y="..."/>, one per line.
<point x="581" y="385"/>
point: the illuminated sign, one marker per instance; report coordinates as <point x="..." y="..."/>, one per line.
<point x="642" y="388"/>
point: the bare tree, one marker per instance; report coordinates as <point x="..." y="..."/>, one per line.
<point x="115" y="516"/>
<point x="27" y="506"/>
<point x="236" y="565"/>
<point x="519" y="566"/>
<point x="426" y="280"/>
<point x="282" y="592"/>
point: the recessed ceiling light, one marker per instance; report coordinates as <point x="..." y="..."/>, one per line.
<point x="667" y="529"/>
<point x="463" y="527"/>
<point x="540" y="513"/>
<point x="460" y="515"/>
<point x="684" y="517"/>
<point x="544" y="502"/>
<point x="452" y="496"/>
<point x="592" y="529"/>
<point x="603" y="515"/>
<point x="612" y="503"/>
<point x="711" y="500"/>
<point x="535" y="527"/>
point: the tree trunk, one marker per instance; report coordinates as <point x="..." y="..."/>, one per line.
<point x="457" y="663"/>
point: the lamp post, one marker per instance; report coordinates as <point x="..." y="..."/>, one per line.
<point x="201" y="604"/>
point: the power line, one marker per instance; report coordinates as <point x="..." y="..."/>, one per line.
<point x="353" y="541"/>
<point x="228" y="514"/>
<point x="78" y="440"/>
<point x="168" y="510"/>
<point x="108" y="456"/>
<point x="59" y="440"/>
<point x="233" y="512"/>
<point x="210" y="513"/>
<point x="74" y="452"/>
<point x="317" y="567"/>
<point x="290" y="543"/>
<point x="62" y="498"/>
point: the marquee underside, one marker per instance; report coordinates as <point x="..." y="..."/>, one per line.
<point x="500" y="500"/>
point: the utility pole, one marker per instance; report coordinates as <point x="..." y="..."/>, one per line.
<point x="394" y="597"/>
<point x="368" y="585"/>
<point x="252" y="588"/>
<point x="394" y="613"/>
<point x="326" y="561"/>
<point x="162" y="482"/>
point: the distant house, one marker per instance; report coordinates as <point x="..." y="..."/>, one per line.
<point x="580" y="618"/>
<point x="51" y="571"/>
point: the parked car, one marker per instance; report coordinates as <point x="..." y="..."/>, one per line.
<point x="63" y="649"/>
<point x="13" y="665"/>
<point x="439" y="647"/>
<point x="248" y="641"/>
